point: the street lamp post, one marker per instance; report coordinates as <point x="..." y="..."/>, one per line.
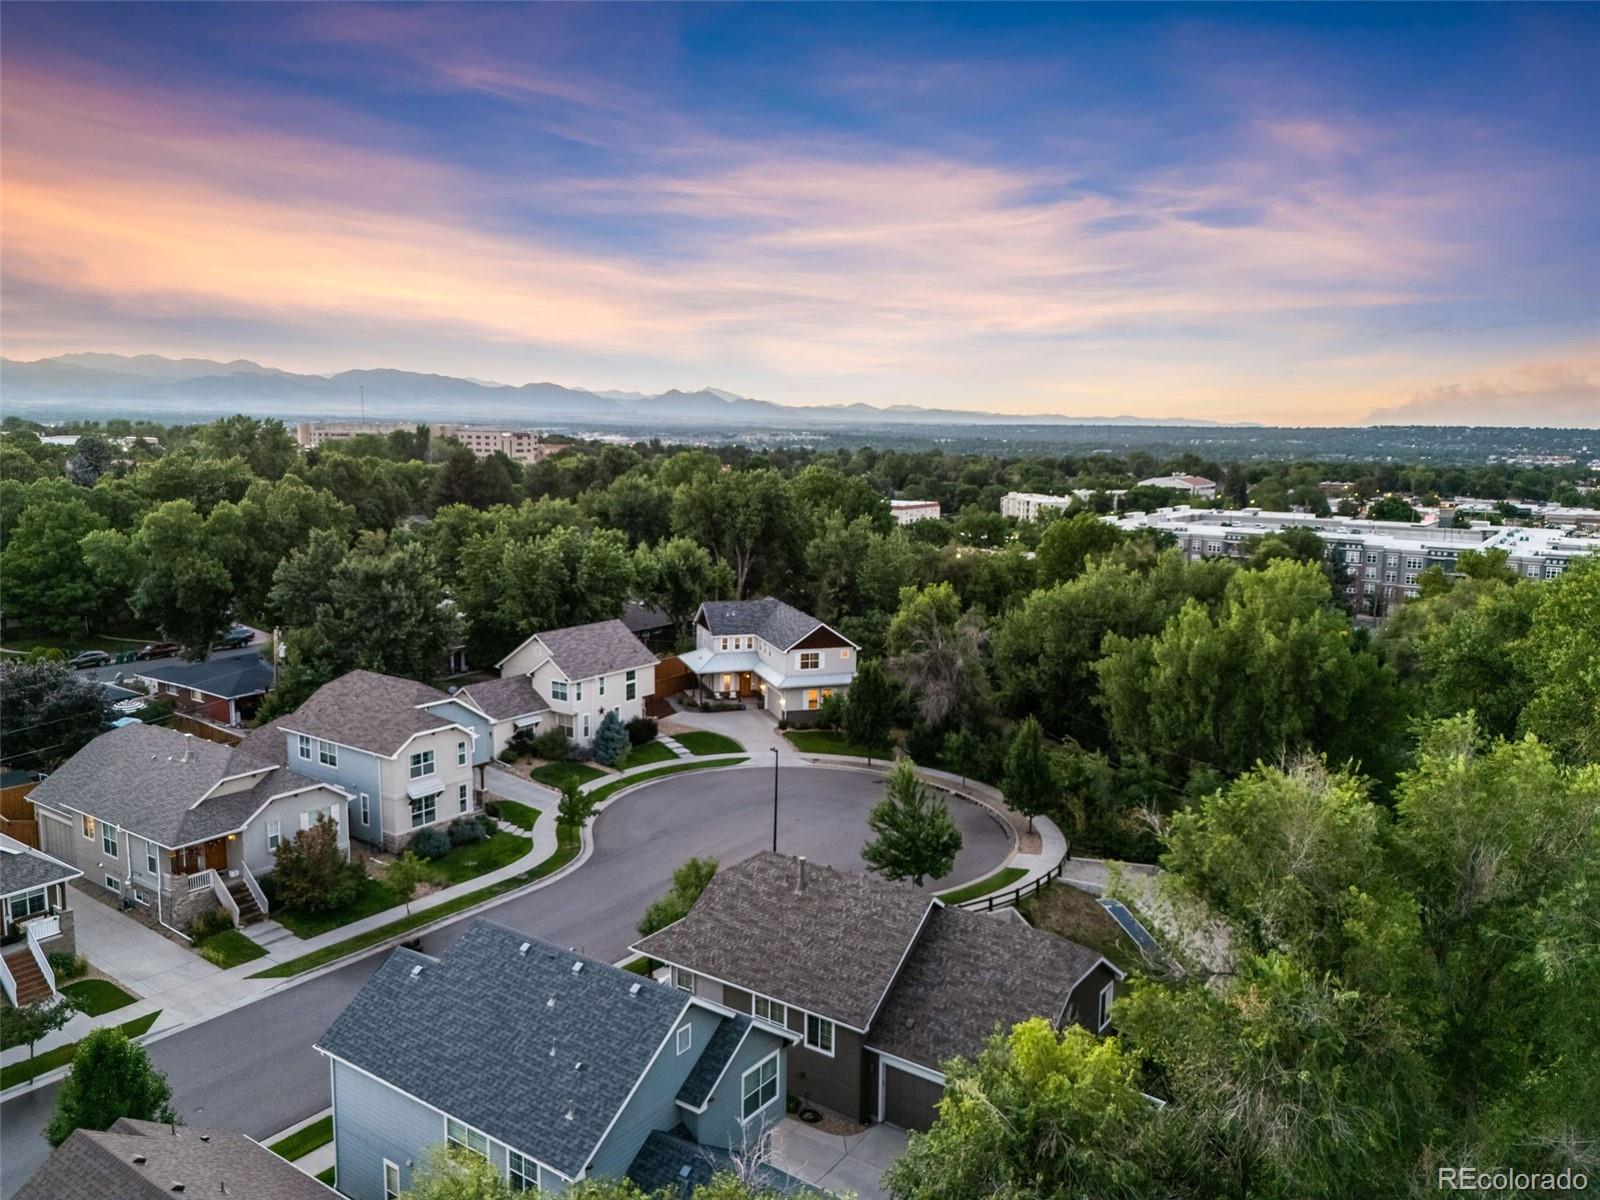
<point x="774" y="799"/>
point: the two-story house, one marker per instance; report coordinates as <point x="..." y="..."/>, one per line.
<point x="403" y="751"/>
<point x="588" y="1071"/>
<point x="882" y="984"/>
<point x="790" y="661"/>
<point x="177" y="824"/>
<point x="583" y="672"/>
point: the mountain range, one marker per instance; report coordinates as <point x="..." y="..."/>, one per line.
<point x="105" y="385"/>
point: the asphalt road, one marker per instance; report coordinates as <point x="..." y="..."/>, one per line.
<point x="109" y="674"/>
<point x="254" y="1069"/>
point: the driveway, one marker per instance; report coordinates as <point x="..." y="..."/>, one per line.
<point x="497" y="781"/>
<point x="750" y="727"/>
<point x="839" y="1163"/>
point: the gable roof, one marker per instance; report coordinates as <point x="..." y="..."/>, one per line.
<point x="526" y="1004"/>
<point x="369" y="711"/>
<point x="135" y="1160"/>
<point x="779" y="624"/>
<point x="832" y="948"/>
<point x="23" y="868"/>
<point x="584" y="651"/>
<point x="721" y="1046"/>
<point x="968" y="976"/>
<point x="231" y="678"/>
<point x="672" y="1163"/>
<point x="147" y="779"/>
<point x="644" y="618"/>
<point x="502" y="699"/>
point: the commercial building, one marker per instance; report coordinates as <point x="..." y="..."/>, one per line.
<point x="1196" y="485"/>
<point x="519" y="445"/>
<point x="908" y="511"/>
<point x="1026" y="506"/>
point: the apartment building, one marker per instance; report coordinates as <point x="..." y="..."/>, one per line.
<point x="519" y="445"/>
<point x="1026" y="506"/>
<point x="905" y="512"/>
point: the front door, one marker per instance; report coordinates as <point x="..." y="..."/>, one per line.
<point x="217" y="854"/>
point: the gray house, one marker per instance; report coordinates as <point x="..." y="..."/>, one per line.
<point x="35" y="920"/>
<point x="789" y="661"/>
<point x="553" y="1066"/>
<point x="175" y="824"/>
<point x="881" y="984"/>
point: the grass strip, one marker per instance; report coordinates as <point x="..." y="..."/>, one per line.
<point x="984" y="887"/>
<point x="559" y="774"/>
<point x="521" y="815"/>
<point x="705" y="741"/>
<point x="96" y="997"/>
<point x="648" y="753"/>
<point x="229" y="948"/>
<point x="639" y="966"/>
<point x="303" y="1141"/>
<point x="31" y="1068"/>
<point x="825" y="741"/>
<point x="616" y="785"/>
<point x="326" y="1176"/>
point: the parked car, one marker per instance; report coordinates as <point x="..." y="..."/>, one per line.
<point x="157" y="650"/>
<point x="236" y="636"/>
<point x="90" y="658"/>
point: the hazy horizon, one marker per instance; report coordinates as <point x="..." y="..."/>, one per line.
<point x="1304" y="216"/>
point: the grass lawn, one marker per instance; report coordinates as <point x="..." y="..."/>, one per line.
<point x="558" y="774"/>
<point x="97" y="996"/>
<point x="303" y="1141"/>
<point x="30" y="1068"/>
<point x="479" y="858"/>
<point x="372" y="898"/>
<point x="521" y="815"/>
<point x="616" y="785"/>
<point x="327" y="1176"/>
<point x="1078" y="917"/>
<point x="703" y="741"/>
<point x="568" y="845"/>
<point x="648" y="753"/>
<point x="983" y="887"/>
<point x="639" y="966"/>
<point x="229" y="948"/>
<point x="827" y="741"/>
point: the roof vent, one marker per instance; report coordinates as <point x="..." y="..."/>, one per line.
<point x="577" y="967"/>
<point x="634" y="990"/>
<point x="205" y="1137"/>
<point x="569" y="1114"/>
<point x="550" y="1003"/>
<point x="800" y="874"/>
<point x="176" y="1186"/>
<point x="523" y="949"/>
<point x="139" y="1159"/>
<point x="578" y="1066"/>
<point x="416" y="970"/>
<point x="552" y="1049"/>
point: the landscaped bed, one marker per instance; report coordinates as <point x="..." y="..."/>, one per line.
<point x="827" y="741"/>
<point x="95" y="997"/>
<point x="997" y="882"/>
<point x="648" y="753"/>
<point x="704" y="741"/>
<point x="1077" y="916"/>
<point x="303" y="1141"/>
<point x="230" y="948"/>
<point x="559" y="774"/>
<point x="32" y="1068"/>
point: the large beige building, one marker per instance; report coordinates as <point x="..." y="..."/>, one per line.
<point x="519" y="445"/>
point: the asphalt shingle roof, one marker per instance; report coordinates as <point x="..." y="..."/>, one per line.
<point x="659" y="1167"/>
<point x="969" y="976"/>
<point x="831" y="949"/>
<point x="503" y="699"/>
<point x="144" y="1160"/>
<point x="369" y="711"/>
<point x="231" y="678"/>
<point x="22" y="868"/>
<point x="720" y="1047"/>
<point x="769" y="618"/>
<point x="584" y="651"/>
<point x="425" y="1031"/>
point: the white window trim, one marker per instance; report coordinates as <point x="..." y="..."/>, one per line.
<point x="685" y="1038"/>
<point x="816" y="654"/>
<point x="783" y="1024"/>
<point x="680" y="973"/>
<point x="114" y="884"/>
<point x="109" y="840"/>
<point x="327" y="754"/>
<point x="833" y="1040"/>
<point x="777" y="1075"/>
<point x="366" y="808"/>
<point x="390" y="1167"/>
<point x="461" y="796"/>
<point x="432" y="798"/>
<point x="461" y="753"/>
<point x="304" y="746"/>
<point x="1103" y="1014"/>
<point x="423" y="759"/>
<point x="274" y="833"/>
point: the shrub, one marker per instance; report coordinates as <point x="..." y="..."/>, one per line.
<point x="508" y="755"/>
<point x="311" y="874"/>
<point x="579" y="752"/>
<point x="523" y="741"/>
<point x="67" y="966"/>
<point x="551" y="745"/>
<point x="610" y="740"/>
<point x="209" y="924"/>
<point x="429" y="844"/>
<point x="783" y="722"/>
<point x="466" y="830"/>
<point x="491" y="808"/>
<point x="489" y="825"/>
<point x="830" y="713"/>
<point x="642" y="730"/>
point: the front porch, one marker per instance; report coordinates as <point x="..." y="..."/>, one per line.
<point x="35" y="924"/>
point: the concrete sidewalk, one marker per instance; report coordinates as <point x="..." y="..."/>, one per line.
<point x="838" y="1163"/>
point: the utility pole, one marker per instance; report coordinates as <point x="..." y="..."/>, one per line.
<point x="774" y="799"/>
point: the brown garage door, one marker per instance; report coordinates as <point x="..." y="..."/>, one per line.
<point x="909" y="1101"/>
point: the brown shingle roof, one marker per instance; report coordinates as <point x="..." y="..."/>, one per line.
<point x="832" y="948"/>
<point x="369" y="711"/>
<point x="584" y="651"/>
<point x="970" y="975"/>
<point x="502" y="699"/>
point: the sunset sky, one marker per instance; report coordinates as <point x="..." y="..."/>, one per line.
<point x="1270" y="213"/>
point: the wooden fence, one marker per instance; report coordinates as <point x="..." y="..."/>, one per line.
<point x="16" y="814"/>
<point x="1009" y="899"/>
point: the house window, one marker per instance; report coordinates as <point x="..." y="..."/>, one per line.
<point x="758" y="1087"/>
<point x="577" y="690"/>
<point x="422" y="764"/>
<point x="28" y="904"/>
<point x="811" y="698"/>
<point x="88" y="827"/>
<point x="108" y="840"/>
<point x="685" y="1038"/>
<point x="724" y="645"/>
<point x="585" y="723"/>
<point x="305" y="747"/>
<point x="150" y="863"/>
<point x="391" y="1181"/>
<point x="195" y="695"/>
<point x="1105" y="1006"/>
<point x="683" y="980"/>
<point x="366" y="809"/>
<point x="522" y="1173"/>
<point x="274" y="833"/>
<point x="770" y="1011"/>
<point x="114" y="884"/>
<point x="424" y="811"/>
<point x="463" y="797"/>
<point x="602" y="685"/>
<point x="558" y="689"/>
<point x="819" y="1034"/>
<point x="630" y="685"/>
<point x="845" y="653"/>
<point x="466" y="1137"/>
<point x="810" y="660"/>
<point x="461" y="754"/>
<point x="327" y="754"/>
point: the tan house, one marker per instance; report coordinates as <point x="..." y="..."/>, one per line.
<point x="583" y="672"/>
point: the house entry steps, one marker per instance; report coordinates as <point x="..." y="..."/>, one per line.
<point x="674" y="745"/>
<point x="31" y="985"/>
<point x="249" y="911"/>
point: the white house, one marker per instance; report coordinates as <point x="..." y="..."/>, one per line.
<point x="581" y="673"/>
<point x="788" y="660"/>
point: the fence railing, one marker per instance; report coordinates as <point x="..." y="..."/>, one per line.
<point x="220" y="890"/>
<point x="8" y="984"/>
<point x="40" y="958"/>
<point x="256" y="893"/>
<point x="1009" y="898"/>
<point x="200" y="881"/>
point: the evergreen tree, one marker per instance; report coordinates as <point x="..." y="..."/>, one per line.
<point x="869" y="708"/>
<point x="915" y="837"/>
<point x="111" y="1078"/>
<point x="611" y="740"/>
<point x="1028" y="785"/>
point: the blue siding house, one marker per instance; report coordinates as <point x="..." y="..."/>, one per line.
<point x="553" y="1066"/>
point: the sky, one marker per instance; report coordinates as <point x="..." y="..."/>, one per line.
<point x="1277" y="213"/>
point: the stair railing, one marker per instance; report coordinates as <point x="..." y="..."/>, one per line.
<point x="256" y="893"/>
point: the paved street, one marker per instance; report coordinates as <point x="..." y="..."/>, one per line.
<point x="254" y="1069"/>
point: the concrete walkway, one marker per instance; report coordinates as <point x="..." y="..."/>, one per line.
<point x="318" y="1160"/>
<point x="839" y="1163"/>
<point x="750" y="727"/>
<point x="674" y="745"/>
<point x="508" y="785"/>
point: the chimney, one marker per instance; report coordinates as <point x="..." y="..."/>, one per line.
<point x="188" y="742"/>
<point x="799" y="874"/>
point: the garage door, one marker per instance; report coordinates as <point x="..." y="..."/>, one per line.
<point x="55" y="837"/>
<point x="909" y="1101"/>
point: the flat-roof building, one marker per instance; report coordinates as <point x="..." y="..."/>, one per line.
<point x="907" y="511"/>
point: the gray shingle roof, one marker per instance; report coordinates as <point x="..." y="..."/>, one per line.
<point x="369" y="711"/>
<point x="660" y="1162"/>
<point x="769" y="618"/>
<point x="427" y="1033"/>
<point x="644" y="618"/>
<point x="137" y="778"/>
<point x="102" y="1166"/>
<point x="231" y="678"/>
<point x="720" y="1048"/>
<point x="970" y="975"/>
<point x="831" y="949"/>
<point x="503" y="699"/>
<point x="584" y="651"/>
<point x="22" y="868"/>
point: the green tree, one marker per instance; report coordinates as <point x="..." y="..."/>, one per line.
<point x="47" y="713"/>
<point x="869" y="708"/>
<point x="936" y="654"/>
<point x="451" y="1173"/>
<point x="44" y="579"/>
<point x="405" y="875"/>
<point x="1561" y="653"/>
<point x="91" y="458"/>
<point x="748" y="519"/>
<point x="688" y="881"/>
<point x="110" y="1078"/>
<point x="635" y="504"/>
<point x="1392" y="508"/>
<point x="180" y="581"/>
<point x="267" y="446"/>
<point x="677" y="574"/>
<point x="1067" y="544"/>
<point x="963" y="753"/>
<point x="576" y="806"/>
<point x="312" y="874"/>
<point x="914" y="836"/>
<point x="610" y="740"/>
<point x="1029" y="784"/>
<point x="29" y="1023"/>
<point x="464" y="478"/>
